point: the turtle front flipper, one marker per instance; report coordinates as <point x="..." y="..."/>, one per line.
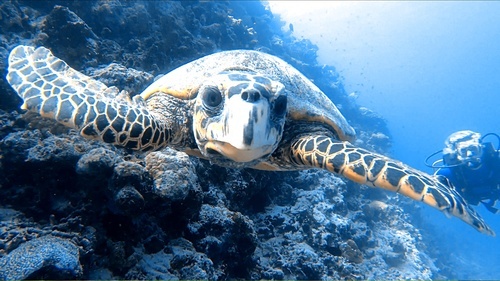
<point x="365" y="167"/>
<point x="49" y="87"/>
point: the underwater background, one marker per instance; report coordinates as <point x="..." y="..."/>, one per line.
<point x="429" y="68"/>
<point x="405" y="75"/>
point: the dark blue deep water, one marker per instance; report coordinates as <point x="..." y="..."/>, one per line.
<point x="428" y="68"/>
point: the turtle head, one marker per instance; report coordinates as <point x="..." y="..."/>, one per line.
<point x="239" y="118"/>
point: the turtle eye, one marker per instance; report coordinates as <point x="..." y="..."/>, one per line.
<point x="212" y="97"/>
<point x="279" y="106"/>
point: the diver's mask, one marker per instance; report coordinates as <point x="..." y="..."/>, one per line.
<point x="463" y="148"/>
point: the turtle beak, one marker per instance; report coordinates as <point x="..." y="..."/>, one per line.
<point x="227" y="150"/>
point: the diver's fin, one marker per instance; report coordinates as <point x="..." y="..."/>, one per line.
<point x="489" y="206"/>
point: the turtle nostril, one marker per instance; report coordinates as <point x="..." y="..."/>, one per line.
<point x="244" y="95"/>
<point x="250" y="96"/>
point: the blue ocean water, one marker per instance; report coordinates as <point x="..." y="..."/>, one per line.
<point x="429" y="69"/>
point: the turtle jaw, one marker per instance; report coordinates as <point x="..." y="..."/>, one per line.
<point x="228" y="151"/>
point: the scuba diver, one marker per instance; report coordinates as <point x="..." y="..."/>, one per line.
<point x="473" y="167"/>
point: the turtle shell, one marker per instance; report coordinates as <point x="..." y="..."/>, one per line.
<point x="306" y="102"/>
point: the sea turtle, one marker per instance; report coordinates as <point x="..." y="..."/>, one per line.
<point x="239" y="109"/>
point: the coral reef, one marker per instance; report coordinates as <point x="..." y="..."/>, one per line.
<point x="93" y="211"/>
<point x="38" y="254"/>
